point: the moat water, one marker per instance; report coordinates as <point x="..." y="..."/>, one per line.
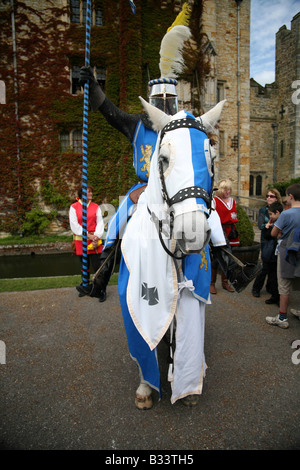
<point x="39" y="265"/>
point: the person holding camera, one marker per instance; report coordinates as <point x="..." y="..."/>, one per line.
<point x="225" y="206"/>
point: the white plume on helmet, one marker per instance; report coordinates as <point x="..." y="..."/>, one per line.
<point x="171" y="63"/>
<point x="163" y="90"/>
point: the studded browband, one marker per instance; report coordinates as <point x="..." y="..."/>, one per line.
<point x="188" y="123"/>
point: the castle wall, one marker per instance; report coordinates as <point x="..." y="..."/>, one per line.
<point x="220" y="23"/>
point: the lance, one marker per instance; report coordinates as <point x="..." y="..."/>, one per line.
<point x="85" y="277"/>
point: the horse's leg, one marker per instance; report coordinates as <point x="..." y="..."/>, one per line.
<point x="145" y="359"/>
<point x="189" y="357"/>
<point x="143" y="397"/>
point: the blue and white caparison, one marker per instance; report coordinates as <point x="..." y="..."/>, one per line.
<point x="169" y="223"/>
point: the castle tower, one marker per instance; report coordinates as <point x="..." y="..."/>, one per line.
<point x="287" y="79"/>
<point x="275" y="116"/>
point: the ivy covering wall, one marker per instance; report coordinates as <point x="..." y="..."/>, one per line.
<point x="126" y="46"/>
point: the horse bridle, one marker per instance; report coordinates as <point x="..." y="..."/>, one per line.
<point x="182" y="194"/>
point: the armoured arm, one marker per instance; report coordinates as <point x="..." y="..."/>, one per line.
<point x="123" y="122"/>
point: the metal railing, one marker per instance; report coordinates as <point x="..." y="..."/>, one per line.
<point x="251" y="210"/>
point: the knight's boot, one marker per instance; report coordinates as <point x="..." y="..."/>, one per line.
<point x="101" y="281"/>
<point x="238" y="274"/>
<point x="213" y="289"/>
<point x="225" y="283"/>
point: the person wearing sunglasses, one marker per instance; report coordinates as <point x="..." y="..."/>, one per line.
<point x="268" y="271"/>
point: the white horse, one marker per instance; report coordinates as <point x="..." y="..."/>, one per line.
<point x="170" y="221"/>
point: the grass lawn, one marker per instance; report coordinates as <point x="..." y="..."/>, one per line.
<point x="34" y="239"/>
<point x="38" y="283"/>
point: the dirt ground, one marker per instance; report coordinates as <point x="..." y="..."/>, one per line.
<point x="68" y="381"/>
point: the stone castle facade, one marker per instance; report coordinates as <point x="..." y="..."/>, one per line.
<point x="259" y="134"/>
<point x="227" y="26"/>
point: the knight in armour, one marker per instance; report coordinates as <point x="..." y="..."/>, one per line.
<point x="195" y="270"/>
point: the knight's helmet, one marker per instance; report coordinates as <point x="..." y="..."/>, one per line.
<point x="162" y="92"/>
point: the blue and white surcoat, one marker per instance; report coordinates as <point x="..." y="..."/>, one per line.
<point x="143" y="143"/>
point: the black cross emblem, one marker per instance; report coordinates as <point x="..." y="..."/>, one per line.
<point x="150" y="294"/>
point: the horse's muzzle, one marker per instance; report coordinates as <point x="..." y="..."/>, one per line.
<point x="191" y="231"/>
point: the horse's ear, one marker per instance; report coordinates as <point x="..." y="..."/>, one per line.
<point x="212" y="116"/>
<point x="158" y="118"/>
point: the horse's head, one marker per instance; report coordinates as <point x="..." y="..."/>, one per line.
<point x="183" y="161"/>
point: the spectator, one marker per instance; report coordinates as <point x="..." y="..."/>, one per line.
<point x="268" y="255"/>
<point x="286" y="204"/>
<point x="283" y="226"/>
<point x="272" y="196"/>
<point x="95" y="229"/>
<point x="225" y="206"/>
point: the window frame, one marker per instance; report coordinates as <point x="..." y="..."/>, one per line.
<point x="78" y="13"/>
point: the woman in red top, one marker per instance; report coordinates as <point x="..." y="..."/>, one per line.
<point x="226" y="208"/>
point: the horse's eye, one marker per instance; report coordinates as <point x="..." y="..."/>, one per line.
<point x="164" y="160"/>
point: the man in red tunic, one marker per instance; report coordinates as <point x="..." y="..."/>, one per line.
<point x="95" y="229"/>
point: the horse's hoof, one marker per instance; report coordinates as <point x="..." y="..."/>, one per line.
<point x="190" y="400"/>
<point x="143" y="402"/>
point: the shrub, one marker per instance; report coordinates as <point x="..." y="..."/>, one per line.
<point x="244" y="227"/>
<point x="283" y="185"/>
<point x="36" y="221"/>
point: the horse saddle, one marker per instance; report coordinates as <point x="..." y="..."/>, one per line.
<point x="135" y="194"/>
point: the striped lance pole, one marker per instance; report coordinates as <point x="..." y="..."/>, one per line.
<point x="85" y="276"/>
